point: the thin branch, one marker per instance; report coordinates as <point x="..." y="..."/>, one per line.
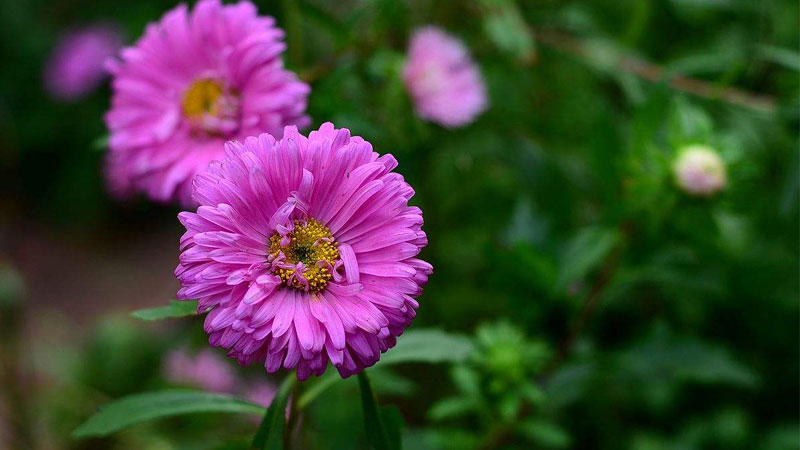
<point x="566" y="43"/>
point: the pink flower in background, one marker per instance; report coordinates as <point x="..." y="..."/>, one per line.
<point x="700" y="171"/>
<point x="75" y="66"/>
<point x="205" y="370"/>
<point x="305" y="249"/>
<point x="444" y="82"/>
<point x="195" y="80"/>
<point x="261" y="393"/>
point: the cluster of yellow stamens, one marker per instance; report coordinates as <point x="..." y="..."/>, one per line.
<point x="202" y="98"/>
<point x="310" y="243"/>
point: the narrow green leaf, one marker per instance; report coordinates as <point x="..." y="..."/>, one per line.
<point x="786" y="57"/>
<point x="270" y="433"/>
<point x="584" y="252"/>
<point x="377" y="434"/>
<point x="319" y="386"/>
<point x="543" y="433"/>
<point x="138" y="408"/>
<point x="420" y="346"/>
<point x="428" y="346"/>
<point x="452" y="407"/>
<point x="174" y="309"/>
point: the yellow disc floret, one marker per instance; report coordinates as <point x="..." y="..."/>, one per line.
<point x="201" y="98"/>
<point x="312" y="244"/>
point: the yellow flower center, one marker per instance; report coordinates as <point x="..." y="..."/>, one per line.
<point x="312" y="244"/>
<point x="202" y="98"/>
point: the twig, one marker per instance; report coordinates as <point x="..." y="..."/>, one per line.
<point x="656" y="74"/>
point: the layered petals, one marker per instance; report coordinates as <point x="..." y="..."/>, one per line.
<point x="304" y="249"/>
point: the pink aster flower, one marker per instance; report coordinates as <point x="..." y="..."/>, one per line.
<point x="700" y="171"/>
<point x="195" y="80"/>
<point x="304" y="250"/>
<point x="261" y="393"/>
<point x="444" y="82"/>
<point x="204" y="370"/>
<point x="75" y="67"/>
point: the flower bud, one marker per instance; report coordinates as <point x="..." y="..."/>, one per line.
<point x="700" y="171"/>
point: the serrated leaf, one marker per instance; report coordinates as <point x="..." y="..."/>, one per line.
<point x="175" y="308"/>
<point x="270" y="432"/>
<point x="138" y="408"/>
<point x="428" y="346"/>
<point x="585" y="251"/>
<point x="379" y="435"/>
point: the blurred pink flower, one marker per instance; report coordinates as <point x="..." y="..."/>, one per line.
<point x="260" y="393"/>
<point x="305" y="251"/>
<point x="700" y="171"/>
<point x="444" y="82"/>
<point x="75" y="66"/>
<point x="205" y="370"/>
<point x="193" y="81"/>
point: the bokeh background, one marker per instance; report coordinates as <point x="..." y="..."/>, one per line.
<point x="606" y="308"/>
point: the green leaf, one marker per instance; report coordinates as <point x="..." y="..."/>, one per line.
<point x="452" y="407"/>
<point x="506" y="29"/>
<point x="422" y="345"/>
<point x="174" y="309"/>
<point x="382" y="434"/>
<point x="545" y="434"/>
<point x="138" y="408"/>
<point x="785" y="57"/>
<point x="318" y="387"/>
<point x="270" y="433"/>
<point x="584" y="252"/>
<point x="428" y="346"/>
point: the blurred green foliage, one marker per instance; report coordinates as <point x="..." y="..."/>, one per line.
<point x="609" y="309"/>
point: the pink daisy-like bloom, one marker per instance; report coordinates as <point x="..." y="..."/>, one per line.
<point x="304" y="251"/>
<point x="195" y="80"/>
<point x="261" y="393"/>
<point x="204" y="370"/>
<point x="445" y="84"/>
<point x="75" y="67"/>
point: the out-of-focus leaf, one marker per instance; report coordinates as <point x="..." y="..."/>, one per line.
<point x="585" y="251"/>
<point x="139" y="408"/>
<point x="452" y="407"/>
<point x="544" y="433"/>
<point x="688" y="124"/>
<point x="390" y="383"/>
<point x="174" y="309"/>
<point x="428" y="346"/>
<point x="319" y="386"/>
<point x="787" y="58"/>
<point x="664" y="356"/>
<point x="381" y="433"/>
<point x="506" y="29"/>
<point x="270" y="433"/>
<point x="466" y="380"/>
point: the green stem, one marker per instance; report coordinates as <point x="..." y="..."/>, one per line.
<point x="272" y="429"/>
